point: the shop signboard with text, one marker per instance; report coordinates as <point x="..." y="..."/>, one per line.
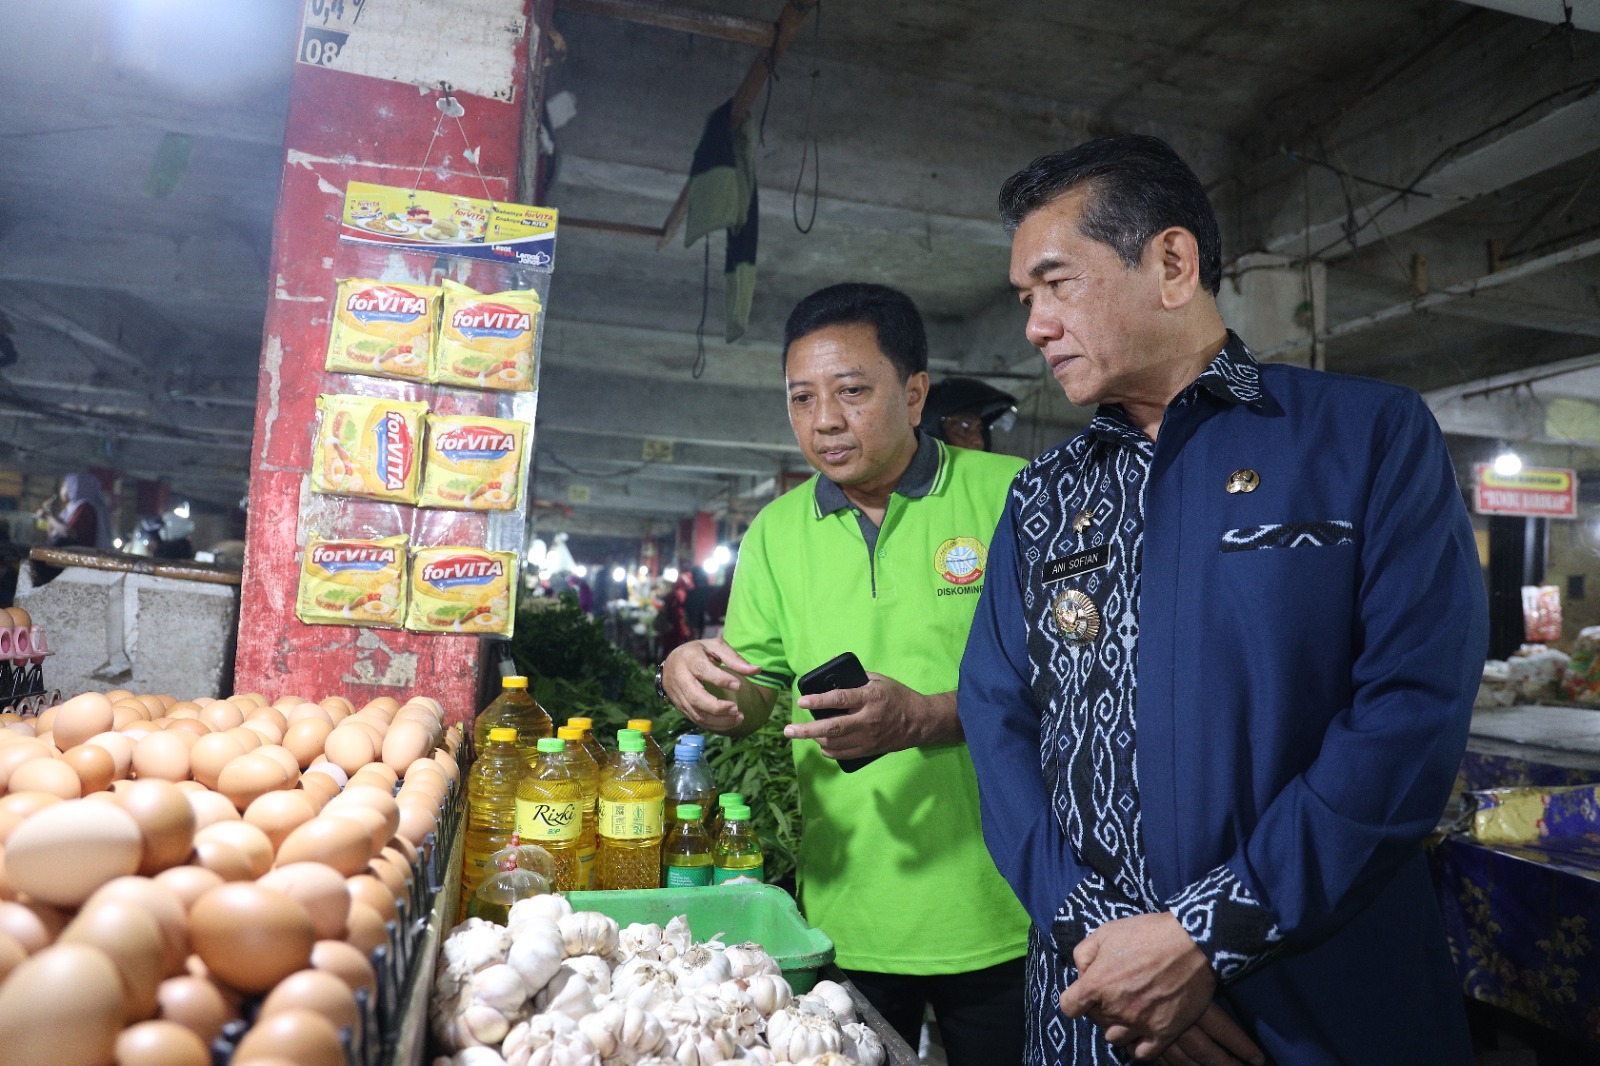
<point x="1533" y="491"/>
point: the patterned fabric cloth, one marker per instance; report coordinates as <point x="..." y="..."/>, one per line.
<point x="1089" y="494"/>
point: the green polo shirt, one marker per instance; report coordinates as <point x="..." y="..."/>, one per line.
<point x="892" y="864"/>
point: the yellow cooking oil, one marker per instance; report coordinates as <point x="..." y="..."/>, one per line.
<point x="686" y="851"/>
<point x="550" y="803"/>
<point x="736" y="858"/>
<point x="514" y="707"/>
<point x="589" y="774"/>
<point x="591" y="743"/>
<point x="491" y="807"/>
<point x="631" y="801"/>
<point x="652" y="750"/>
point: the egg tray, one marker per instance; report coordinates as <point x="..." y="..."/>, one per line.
<point x="395" y="963"/>
<point x="22" y="688"/>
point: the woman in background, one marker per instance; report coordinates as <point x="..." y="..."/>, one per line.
<point x="83" y="522"/>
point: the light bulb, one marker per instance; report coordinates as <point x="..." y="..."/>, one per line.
<point x="1508" y="463"/>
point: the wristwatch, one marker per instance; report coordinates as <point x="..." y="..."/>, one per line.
<point x="660" y="689"/>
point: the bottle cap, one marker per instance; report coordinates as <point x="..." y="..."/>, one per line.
<point x="687" y="752"/>
<point x="581" y="723"/>
<point x="737" y="814"/>
<point x="643" y="725"/>
<point x="514" y="681"/>
<point x="634" y="743"/>
<point x="623" y="734"/>
<point x="569" y="732"/>
<point x="552" y="744"/>
<point x="688" y="812"/>
<point x="503" y="732"/>
<point x="730" y="799"/>
<point x="693" y="738"/>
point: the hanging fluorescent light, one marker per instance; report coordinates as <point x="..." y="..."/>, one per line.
<point x="619" y="575"/>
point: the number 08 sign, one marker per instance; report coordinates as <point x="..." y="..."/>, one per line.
<point x="325" y="29"/>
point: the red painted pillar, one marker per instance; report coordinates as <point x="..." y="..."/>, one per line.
<point x="345" y="127"/>
<point x="705" y="536"/>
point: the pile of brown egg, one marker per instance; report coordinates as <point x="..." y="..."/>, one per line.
<point x="163" y="862"/>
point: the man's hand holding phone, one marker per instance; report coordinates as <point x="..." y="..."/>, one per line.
<point x="862" y="715"/>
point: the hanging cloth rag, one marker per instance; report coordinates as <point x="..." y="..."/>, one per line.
<point x="722" y="195"/>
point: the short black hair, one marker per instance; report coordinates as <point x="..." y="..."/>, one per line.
<point x="1138" y="186"/>
<point x="890" y="312"/>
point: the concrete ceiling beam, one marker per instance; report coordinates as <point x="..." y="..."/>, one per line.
<point x="1527" y="307"/>
<point x="618" y="406"/>
<point x="623" y="452"/>
<point x="1436" y="299"/>
<point x="1484" y="107"/>
<point x="669" y="16"/>
<point x="1584" y="16"/>
<point x="833" y="213"/>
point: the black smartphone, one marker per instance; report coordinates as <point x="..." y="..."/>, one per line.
<point x="841" y="671"/>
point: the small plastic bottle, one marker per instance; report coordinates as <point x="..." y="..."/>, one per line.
<point x="736" y="859"/>
<point x="550" y="809"/>
<point x="631" y="800"/>
<point x="686" y="852"/>
<point x="494" y="898"/>
<point x="514" y="708"/>
<point x="718" y="816"/>
<point x="652" y="751"/>
<point x="689" y="779"/>
<point x="491" y="806"/>
<point x="597" y="750"/>
<point x="583" y="765"/>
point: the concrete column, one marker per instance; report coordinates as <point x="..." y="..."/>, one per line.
<point x="368" y="114"/>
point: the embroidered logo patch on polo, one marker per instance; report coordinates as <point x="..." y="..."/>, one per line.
<point x="960" y="560"/>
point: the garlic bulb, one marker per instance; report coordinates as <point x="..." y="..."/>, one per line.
<point x="594" y="969"/>
<point x="828" y="1058"/>
<point x="568" y="992"/>
<point x="858" y="1041"/>
<point x="624" y="1033"/>
<point x="640" y="939"/>
<point x="644" y="984"/>
<point x="760" y="1054"/>
<point x="700" y="1045"/>
<point x="794" y="1035"/>
<point x="837" y="998"/>
<point x="551" y="906"/>
<point x="749" y="959"/>
<point x="473" y="1056"/>
<point x="698" y="966"/>
<point x="743" y="1019"/>
<point x="588" y="933"/>
<point x="675" y="938"/>
<point x="470" y="1025"/>
<point x="768" y="991"/>
<point x="474" y="944"/>
<point x="536" y="955"/>
<point x="500" y="987"/>
<point x="549" y="1040"/>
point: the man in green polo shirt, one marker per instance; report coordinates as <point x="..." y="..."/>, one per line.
<point x="882" y="554"/>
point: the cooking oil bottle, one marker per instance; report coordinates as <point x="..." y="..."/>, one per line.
<point x="717" y="817"/>
<point x="686" y="851"/>
<point x="631" y="800"/>
<point x="583" y="765"/>
<point x="491" y="806"/>
<point x="499" y="892"/>
<point x="736" y="859"/>
<point x="514" y="708"/>
<point x="550" y="802"/>
<point x="652" y="751"/>
<point x="689" y="779"/>
<point x="591" y="743"/>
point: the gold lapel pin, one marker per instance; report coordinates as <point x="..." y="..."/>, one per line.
<point x="1243" y="481"/>
<point x="1080" y="521"/>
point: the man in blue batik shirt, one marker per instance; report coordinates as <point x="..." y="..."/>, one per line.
<point x="1221" y="674"/>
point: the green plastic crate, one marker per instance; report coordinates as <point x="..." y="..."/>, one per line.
<point x="763" y="913"/>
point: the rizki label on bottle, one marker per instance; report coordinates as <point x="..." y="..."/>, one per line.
<point x="688" y="876"/>
<point x="629" y="821"/>
<point x="753" y="875"/>
<point x="538" y="820"/>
